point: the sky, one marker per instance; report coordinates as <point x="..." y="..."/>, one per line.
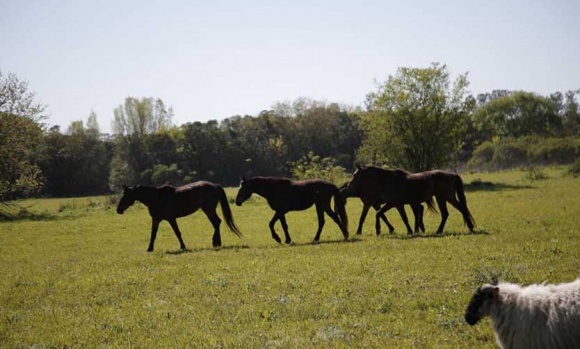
<point x="210" y="60"/>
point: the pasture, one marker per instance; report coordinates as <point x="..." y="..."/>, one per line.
<point x="75" y="274"/>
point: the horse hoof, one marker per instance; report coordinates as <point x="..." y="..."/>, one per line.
<point x="315" y="242"/>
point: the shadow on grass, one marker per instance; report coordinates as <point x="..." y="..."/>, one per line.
<point x="202" y="249"/>
<point x="433" y="235"/>
<point x="27" y="216"/>
<point x="478" y="185"/>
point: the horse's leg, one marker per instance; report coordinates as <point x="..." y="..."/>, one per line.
<point x="334" y="217"/>
<point x="285" y="228"/>
<point x="320" y="214"/>
<point x="464" y="213"/>
<point x="272" y="222"/>
<point x="382" y="212"/>
<point x="401" y="209"/>
<point x="173" y="224"/>
<point x="215" y="222"/>
<point x="154" y="227"/>
<point x="444" y="214"/>
<point x="384" y="218"/>
<point x="363" y="216"/>
<point x="418" y="212"/>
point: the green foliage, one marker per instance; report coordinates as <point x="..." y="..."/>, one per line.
<point x="17" y="99"/>
<point x="78" y="162"/>
<point x="141" y="116"/>
<point x="81" y="278"/>
<point x="574" y="169"/>
<point x="313" y="166"/>
<point x="20" y="140"/>
<point x="517" y="114"/>
<point x="525" y="151"/>
<point x="418" y="119"/>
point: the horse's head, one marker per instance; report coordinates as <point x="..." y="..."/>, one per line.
<point x="127" y="200"/>
<point x="354" y="187"/>
<point x="481" y="303"/>
<point x="244" y="192"/>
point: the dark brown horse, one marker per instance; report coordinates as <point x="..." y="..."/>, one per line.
<point x="169" y="203"/>
<point x="370" y="197"/>
<point x="399" y="187"/>
<point x="284" y="195"/>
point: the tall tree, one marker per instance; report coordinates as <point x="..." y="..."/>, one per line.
<point x="416" y="119"/>
<point x="141" y="116"/>
<point x="518" y="114"/>
<point x="20" y="138"/>
<point x="17" y="99"/>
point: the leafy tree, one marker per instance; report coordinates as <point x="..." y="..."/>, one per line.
<point x="17" y="99"/>
<point x="20" y="139"/>
<point x="77" y="162"/>
<point x="517" y="114"/>
<point x="140" y="129"/>
<point x="313" y="166"/>
<point x="416" y="119"/>
<point x="141" y="116"/>
<point x="571" y="114"/>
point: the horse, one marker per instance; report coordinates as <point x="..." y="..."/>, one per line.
<point x="399" y="187"/>
<point x="371" y="198"/>
<point x="284" y="195"/>
<point x="169" y="203"/>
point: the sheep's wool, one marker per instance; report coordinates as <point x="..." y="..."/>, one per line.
<point x="537" y="316"/>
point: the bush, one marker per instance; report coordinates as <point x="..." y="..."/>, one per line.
<point x="313" y="166"/>
<point x="574" y="169"/>
<point x="525" y="151"/>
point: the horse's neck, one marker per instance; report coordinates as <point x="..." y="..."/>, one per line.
<point x="147" y="196"/>
<point x="264" y="188"/>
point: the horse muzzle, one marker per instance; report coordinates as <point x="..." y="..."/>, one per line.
<point x="120" y="210"/>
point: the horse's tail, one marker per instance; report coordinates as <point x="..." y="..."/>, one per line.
<point x="339" y="208"/>
<point x="431" y="205"/>
<point x="467" y="217"/>
<point x="227" y="212"/>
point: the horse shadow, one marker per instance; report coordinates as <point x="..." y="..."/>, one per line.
<point x="479" y="185"/>
<point x="435" y="236"/>
<point x="203" y="249"/>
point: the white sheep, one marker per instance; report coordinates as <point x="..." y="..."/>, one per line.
<point x="535" y="316"/>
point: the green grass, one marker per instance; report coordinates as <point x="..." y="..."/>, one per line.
<point x="76" y="274"/>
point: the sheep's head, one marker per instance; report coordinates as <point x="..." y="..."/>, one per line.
<point x="481" y="303"/>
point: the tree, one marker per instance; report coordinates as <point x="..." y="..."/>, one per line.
<point x="141" y="116"/>
<point x="77" y="162"/>
<point x="16" y="99"/>
<point x="20" y="138"/>
<point x="416" y="119"/>
<point x="518" y="114"/>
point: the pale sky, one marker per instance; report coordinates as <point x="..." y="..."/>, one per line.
<point x="215" y="59"/>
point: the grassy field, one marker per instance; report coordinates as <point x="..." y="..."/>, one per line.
<point x="76" y="274"/>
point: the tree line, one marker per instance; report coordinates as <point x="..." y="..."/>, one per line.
<point x="417" y="119"/>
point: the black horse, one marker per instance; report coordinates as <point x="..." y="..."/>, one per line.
<point x="284" y="195"/>
<point x="169" y="203"/>
<point x="399" y="187"/>
<point x="370" y="197"/>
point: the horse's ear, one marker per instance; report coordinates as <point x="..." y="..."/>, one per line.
<point x="124" y="187"/>
<point x="359" y="166"/>
<point x="242" y="179"/>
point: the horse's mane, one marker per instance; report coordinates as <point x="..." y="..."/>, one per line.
<point x="387" y="173"/>
<point x="264" y="179"/>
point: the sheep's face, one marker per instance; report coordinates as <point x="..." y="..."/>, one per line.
<point x="481" y="303"/>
